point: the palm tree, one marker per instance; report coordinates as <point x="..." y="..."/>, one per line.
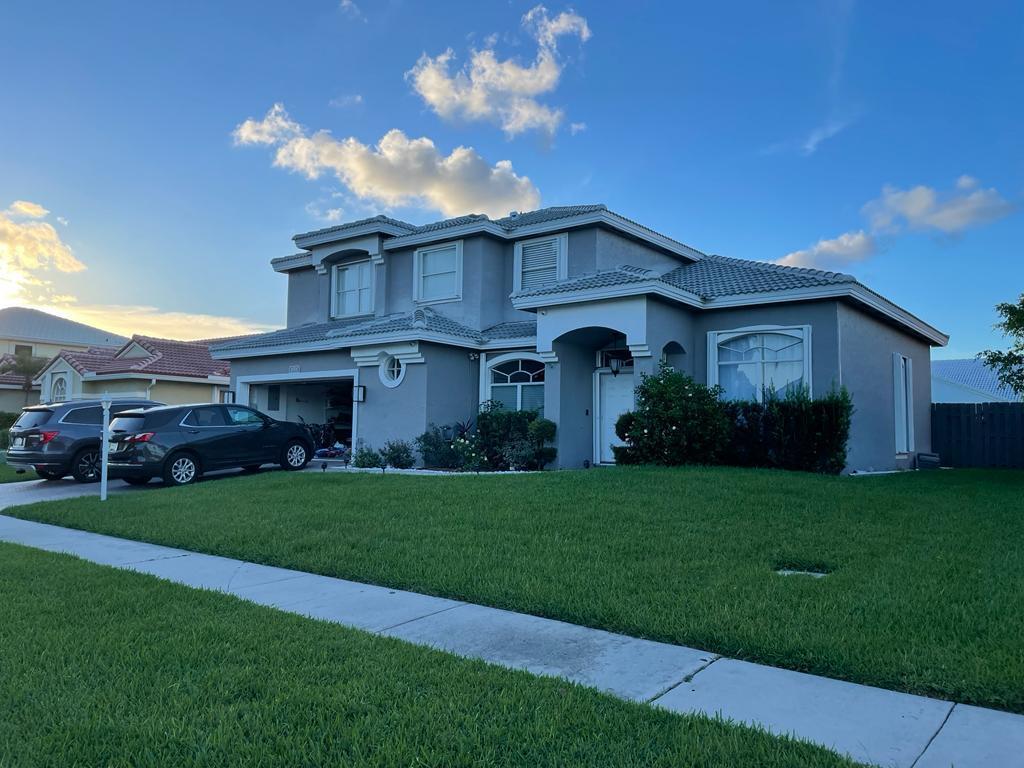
<point x="26" y="366"/>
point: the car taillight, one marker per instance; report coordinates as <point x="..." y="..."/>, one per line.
<point x="46" y="437"/>
<point x="142" y="437"/>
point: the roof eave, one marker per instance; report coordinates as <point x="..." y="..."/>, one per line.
<point x="321" y="237"/>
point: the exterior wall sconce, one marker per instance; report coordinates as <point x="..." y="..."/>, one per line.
<point x="615" y="364"/>
<point x="359" y="393"/>
<point x="474" y="355"/>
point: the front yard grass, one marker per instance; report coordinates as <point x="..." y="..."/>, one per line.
<point x="9" y="474"/>
<point x="924" y="594"/>
<point x="106" y="667"/>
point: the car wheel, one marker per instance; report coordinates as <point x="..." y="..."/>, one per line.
<point x="181" y="469"/>
<point x="47" y="475"/>
<point x="137" y="480"/>
<point x="85" y="467"/>
<point x="296" y="455"/>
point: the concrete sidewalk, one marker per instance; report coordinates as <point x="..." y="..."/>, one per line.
<point x="871" y="725"/>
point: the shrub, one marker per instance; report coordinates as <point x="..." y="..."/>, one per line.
<point x="397" y="454"/>
<point x="676" y="421"/>
<point x="367" y="458"/>
<point x="514" y="439"/>
<point x="795" y="431"/>
<point x="470" y="457"/>
<point x="437" y="450"/>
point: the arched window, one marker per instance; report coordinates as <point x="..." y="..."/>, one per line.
<point x="746" y="364"/>
<point x="58" y="390"/>
<point x="518" y="384"/>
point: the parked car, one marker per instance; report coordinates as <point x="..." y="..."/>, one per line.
<point x="62" y="439"/>
<point x="180" y="442"/>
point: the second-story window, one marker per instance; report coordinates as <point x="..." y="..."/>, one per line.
<point x="352" y="290"/>
<point x="438" y="273"/>
<point x="540" y="262"/>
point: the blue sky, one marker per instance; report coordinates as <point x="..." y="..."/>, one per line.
<point x="880" y="139"/>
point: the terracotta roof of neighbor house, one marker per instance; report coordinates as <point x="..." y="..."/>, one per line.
<point x="161" y="357"/>
<point x="32" y="324"/>
<point x="9" y="378"/>
<point x="424" y="320"/>
<point x="974" y="374"/>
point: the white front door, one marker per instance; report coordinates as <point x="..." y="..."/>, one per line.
<point x="614" y="397"/>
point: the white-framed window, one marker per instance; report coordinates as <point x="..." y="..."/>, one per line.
<point x="516" y="380"/>
<point x="58" y="389"/>
<point x="437" y="273"/>
<point x="391" y="371"/>
<point x="352" y="289"/>
<point x="540" y="262"/>
<point x="903" y="402"/>
<point x="747" y="362"/>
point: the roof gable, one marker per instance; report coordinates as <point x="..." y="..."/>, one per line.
<point x="34" y="325"/>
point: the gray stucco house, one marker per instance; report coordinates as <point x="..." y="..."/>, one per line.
<point x="393" y="326"/>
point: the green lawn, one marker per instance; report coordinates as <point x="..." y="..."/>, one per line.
<point x="10" y="475"/>
<point x="925" y="593"/>
<point x="106" y="667"/>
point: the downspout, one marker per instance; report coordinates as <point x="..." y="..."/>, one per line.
<point x="152" y="383"/>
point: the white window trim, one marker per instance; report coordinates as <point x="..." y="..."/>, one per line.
<point x="563" y="258"/>
<point x="334" y="288"/>
<point x="908" y="416"/>
<point x="717" y="337"/>
<point x="487" y="362"/>
<point x="382" y="373"/>
<point x="417" y="268"/>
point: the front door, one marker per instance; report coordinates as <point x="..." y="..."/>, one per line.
<point x="614" y="397"/>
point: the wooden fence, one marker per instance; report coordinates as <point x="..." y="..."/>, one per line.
<point x="978" y="434"/>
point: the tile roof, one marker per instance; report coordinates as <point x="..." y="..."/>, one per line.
<point x="543" y="215"/>
<point x="359" y="223"/>
<point x="426" y="320"/>
<point x="26" y="323"/>
<point x="976" y="375"/>
<point x="163" y="357"/>
<point x="607" y="278"/>
<point x="9" y="378"/>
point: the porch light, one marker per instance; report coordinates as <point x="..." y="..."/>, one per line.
<point x="616" y="365"/>
<point x="359" y="393"/>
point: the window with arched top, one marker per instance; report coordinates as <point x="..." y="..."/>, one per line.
<point x="58" y="389"/>
<point x="518" y="384"/>
<point x="748" y="363"/>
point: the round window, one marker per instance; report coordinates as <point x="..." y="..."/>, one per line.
<point x="392" y="371"/>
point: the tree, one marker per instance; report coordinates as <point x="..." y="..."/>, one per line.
<point x="27" y="367"/>
<point x="1009" y="365"/>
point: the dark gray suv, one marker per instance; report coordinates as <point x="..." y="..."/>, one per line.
<point x="64" y="438"/>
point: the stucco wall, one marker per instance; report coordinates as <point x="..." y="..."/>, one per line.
<point x="568" y="401"/>
<point x="39" y="348"/>
<point x="13" y="400"/>
<point x="868" y="345"/>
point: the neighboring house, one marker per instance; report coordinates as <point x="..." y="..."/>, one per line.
<point x="25" y="331"/>
<point x="391" y="327"/>
<point x="173" y="372"/>
<point x="968" y="381"/>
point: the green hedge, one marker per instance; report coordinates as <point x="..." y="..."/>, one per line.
<point x="679" y="421"/>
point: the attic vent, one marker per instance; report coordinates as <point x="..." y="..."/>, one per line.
<point x="539" y="262"/>
<point x="513" y="214"/>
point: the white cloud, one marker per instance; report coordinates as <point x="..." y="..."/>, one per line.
<point x="575" y="128"/>
<point x="398" y="170"/>
<point x="922" y="208"/>
<point x="348" y="100"/>
<point x="501" y="91"/>
<point x="350" y="8"/>
<point x="329" y="215"/>
<point x="31" y="251"/>
<point x="821" y="133"/>
<point x="836" y="253"/>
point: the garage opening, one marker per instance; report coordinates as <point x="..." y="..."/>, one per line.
<point x="325" y="406"/>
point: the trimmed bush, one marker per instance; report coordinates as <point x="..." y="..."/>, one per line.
<point x="397" y="454"/>
<point x="514" y="439"/>
<point x="679" y="421"/>
<point x="367" y="458"/>
<point x="437" y="450"/>
<point x="676" y="421"/>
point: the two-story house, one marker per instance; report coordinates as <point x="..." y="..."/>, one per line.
<point x="393" y="326"/>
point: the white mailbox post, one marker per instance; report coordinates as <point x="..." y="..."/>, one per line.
<point x="104" y="445"/>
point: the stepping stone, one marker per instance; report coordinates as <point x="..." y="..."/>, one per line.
<point x="871" y="725"/>
<point x="977" y="738"/>
<point x="627" y="667"/>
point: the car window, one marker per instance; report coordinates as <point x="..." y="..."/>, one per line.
<point x="35" y="417"/>
<point x="243" y="416"/>
<point x="205" y="417"/>
<point x="91" y="415"/>
<point x="127" y="424"/>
